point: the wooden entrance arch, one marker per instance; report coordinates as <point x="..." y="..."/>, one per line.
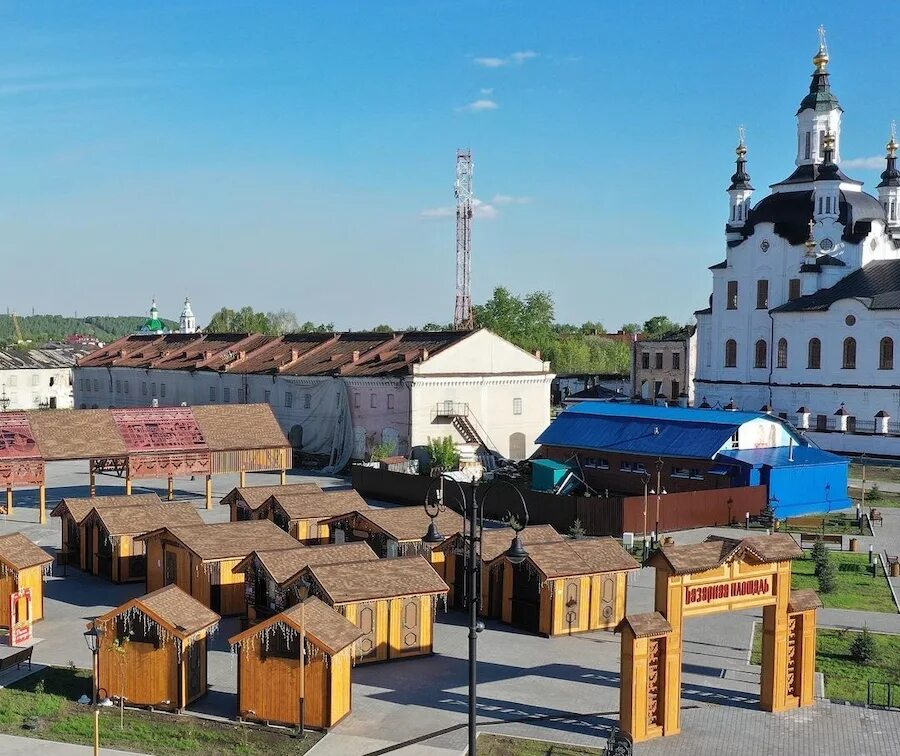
<point x="717" y="575"/>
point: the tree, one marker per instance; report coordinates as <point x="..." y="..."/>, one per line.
<point x="310" y="327"/>
<point x="443" y="452"/>
<point x="593" y="329"/>
<point x="526" y="321"/>
<point x="245" y="320"/>
<point x="827" y="575"/>
<point x="576" y="530"/>
<point x="863" y="649"/>
<point x="631" y="328"/>
<point x="283" y="321"/>
<point x="659" y="326"/>
<point x="383" y="328"/>
<point x="819" y="555"/>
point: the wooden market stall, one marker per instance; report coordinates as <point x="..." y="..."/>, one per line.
<point x="305" y="515"/>
<point x="72" y="512"/>
<point x="271" y="578"/>
<point x="141" y="443"/>
<point x="564" y="587"/>
<point x="153" y="650"/>
<point x="110" y="534"/>
<point x="494" y="541"/>
<point x="310" y="636"/>
<point x="23" y="564"/>
<point x="245" y="501"/>
<point x="392" y="601"/>
<point x="199" y="559"/>
<point x="395" y="531"/>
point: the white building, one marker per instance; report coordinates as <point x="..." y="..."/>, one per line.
<point x="805" y="307"/>
<point x="36" y="378"/>
<point x="339" y="395"/>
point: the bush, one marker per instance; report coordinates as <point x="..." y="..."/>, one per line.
<point x="384" y="450"/>
<point x="874" y="493"/>
<point x="443" y="452"/>
<point x="827" y="576"/>
<point x="819" y="555"/>
<point x="576" y="531"/>
<point x="862" y="649"/>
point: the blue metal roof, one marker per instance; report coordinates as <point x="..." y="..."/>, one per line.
<point x="780" y="456"/>
<point x="646" y="429"/>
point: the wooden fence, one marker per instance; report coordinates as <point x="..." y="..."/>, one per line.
<point x="693" y="509"/>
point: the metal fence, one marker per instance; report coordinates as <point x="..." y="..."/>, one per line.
<point x="882" y="694"/>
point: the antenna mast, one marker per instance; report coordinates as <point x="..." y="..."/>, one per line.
<point x="462" y="315"/>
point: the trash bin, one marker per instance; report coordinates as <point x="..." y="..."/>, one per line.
<point x="854" y="544"/>
<point x="895" y="569"/>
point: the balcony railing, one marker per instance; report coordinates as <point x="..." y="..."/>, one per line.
<point x="452" y="409"/>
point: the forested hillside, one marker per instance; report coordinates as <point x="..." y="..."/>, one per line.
<point x="41" y="328"/>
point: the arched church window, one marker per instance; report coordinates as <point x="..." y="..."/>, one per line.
<point x="807" y="153"/>
<point x="814" y="357"/>
<point x="760" y="354"/>
<point x="782" y="353"/>
<point x="849" y="353"/>
<point x="731" y="353"/>
<point x="886" y="354"/>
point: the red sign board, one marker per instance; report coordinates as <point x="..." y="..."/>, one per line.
<point x="16" y="438"/>
<point x="714" y="593"/>
<point x="159" y="429"/>
<point x="20" y="617"/>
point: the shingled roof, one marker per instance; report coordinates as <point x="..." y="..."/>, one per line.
<point x="121" y="521"/>
<point x="239" y="426"/>
<point x="76" y="434"/>
<point x="715" y="551"/>
<point x="405" y="523"/>
<point x="804" y="600"/>
<point x="495" y="541"/>
<point x="603" y="554"/>
<point x="646" y="625"/>
<point x="382" y="578"/>
<point x="877" y="286"/>
<point x="80" y="507"/>
<point x="255" y="496"/>
<point x="285" y="564"/>
<point x="226" y="540"/>
<point x="563" y="559"/>
<point x="18" y="553"/>
<point x="322" y="504"/>
<point x="182" y="615"/>
<point x="342" y="354"/>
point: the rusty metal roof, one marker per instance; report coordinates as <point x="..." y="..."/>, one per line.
<point x="344" y="354"/>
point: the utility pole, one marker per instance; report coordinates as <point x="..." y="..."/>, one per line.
<point x="462" y="315"/>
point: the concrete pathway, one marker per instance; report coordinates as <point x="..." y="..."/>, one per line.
<point x="11" y="745"/>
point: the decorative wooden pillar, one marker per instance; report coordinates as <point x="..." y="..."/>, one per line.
<point x="774" y="677"/>
<point x="243" y="478"/>
<point x="642" y="688"/>
<point x="128" y="482"/>
<point x="42" y="493"/>
<point x="93" y="477"/>
<point x="283" y="477"/>
<point x="209" y="491"/>
<point x="802" y="647"/>
<point x="170" y="496"/>
<point x="669" y="603"/>
<point x="9" y="500"/>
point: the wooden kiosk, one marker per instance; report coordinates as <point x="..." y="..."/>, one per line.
<point x="305" y="515"/>
<point x="717" y="575"/>
<point x="311" y="637"/>
<point x="23" y="564"/>
<point x="199" y="559"/>
<point x="272" y="578"/>
<point x="243" y="502"/>
<point x="153" y="650"/>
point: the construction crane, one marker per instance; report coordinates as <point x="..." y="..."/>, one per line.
<point x="462" y="315"/>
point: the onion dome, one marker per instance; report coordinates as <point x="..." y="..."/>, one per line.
<point x="741" y="179"/>
<point x="891" y="176"/>
<point x="820" y="97"/>
<point x="829" y="171"/>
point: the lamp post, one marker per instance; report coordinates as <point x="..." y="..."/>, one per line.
<point x="92" y="637"/>
<point x="4" y="401"/>
<point x="646" y="490"/>
<point x="862" y="502"/>
<point x="660" y="492"/>
<point x="473" y="522"/>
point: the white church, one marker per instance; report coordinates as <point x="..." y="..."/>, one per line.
<point x="805" y="307"/>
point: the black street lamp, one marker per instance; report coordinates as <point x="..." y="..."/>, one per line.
<point x="4" y="401"/>
<point x="473" y="525"/>
<point x="92" y="637"/>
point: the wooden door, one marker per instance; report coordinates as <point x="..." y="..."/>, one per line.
<point x="368" y="644"/>
<point x="526" y="599"/>
<point x="410" y="625"/>
<point x="495" y="592"/>
<point x="571" y="605"/>
<point x="170" y="567"/>
<point x="194" y="671"/>
<point x="607" y="598"/>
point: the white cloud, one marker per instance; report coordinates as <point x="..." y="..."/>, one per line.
<point x="438" y="212"/>
<point x="516" y="58"/>
<point x="509" y="199"/>
<point x="479" y="106"/>
<point x="870" y="163"/>
<point x="487" y="91"/>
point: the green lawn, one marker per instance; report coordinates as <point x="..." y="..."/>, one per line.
<point x="46" y="703"/>
<point x="500" y="745"/>
<point x="845" y="678"/>
<point x="834" y="524"/>
<point x="883" y="500"/>
<point x="876" y="473"/>
<point x="856" y="588"/>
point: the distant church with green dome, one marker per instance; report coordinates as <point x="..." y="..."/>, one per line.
<point x="153" y="325"/>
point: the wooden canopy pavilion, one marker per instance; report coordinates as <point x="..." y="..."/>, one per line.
<point x="392" y="601"/>
<point x="23" y="564"/>
<point x="396" y="531"/>
<point x="562" y="587"/>
<point x="141" y="443"/>
<point x="305" y="515"/>
<point x="153" y="649"/>
<point x="271" y="578"/>
<point x="311" y="637"/>
<point x="244" y="501"/>
<point x="200" y="559"/>
<point x="110" y="533"/>
<point x="72" y="512"/>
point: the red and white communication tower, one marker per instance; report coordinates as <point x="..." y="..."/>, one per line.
<point x="462" y="316"/>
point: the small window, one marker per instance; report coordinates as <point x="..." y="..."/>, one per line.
<point x="730" y="353"/>
<point x="657" y="389"/>
<point x="34" y="379"/>
<point x="680" y="472"/>
<point x="886" y="354"/>
<point x="212" y="393"/>
<point x="695" y="473"/>
<point x="14" y="381"/>
<point x="782" y="353"/>
<point x="821" y="422"/>
<point x="645" y="360"/>
<point x="794" y="288"/>
<point x="226" y="394"/>
<point x="762" y="294"/>
<point x="517" y="406"/>
<point x="676" y="360"/>
<point x="307" y="401"/>
<point x="126" y="387"/>
<point x="638" y="468"/>
<point x="143" y="388"/>
<point x="603" y="464"/>
<point x="118" y="386"/>
<point x="658" y="358"/>
<point x="625" y="466"/>
<point x="390" y="401"/>
<point x="736" y="440"/>
<point x="849" y="361"/>
<point x="807" y="152"/>
<point x="814" y="356"/>
<point x="162" y="390"/>
<point x="81" y="384"/>
<point x="288" y="399"/>
<point x="267" y="396"/>
<point x="96" y="385"/>
<point x="153" y="389"/>
<point x="731" y="300"/>
<point x="676" y="390"/>
<point x="761" y="353"/>
<point x="373" y="401"/>
<point x="356" y="401"/>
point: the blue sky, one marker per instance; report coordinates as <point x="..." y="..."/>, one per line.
<point x="301" y="155"/>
